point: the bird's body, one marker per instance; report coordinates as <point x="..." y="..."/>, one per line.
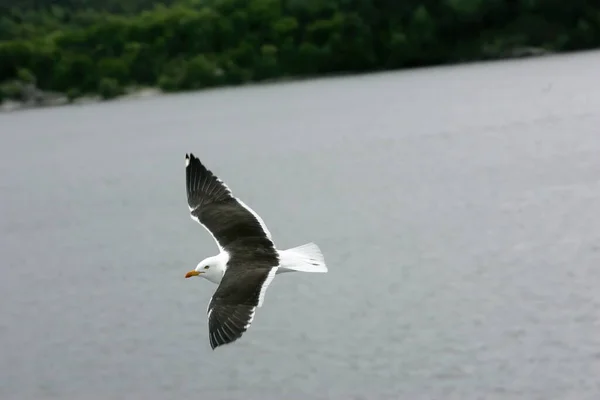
<point x="248" y="259"/>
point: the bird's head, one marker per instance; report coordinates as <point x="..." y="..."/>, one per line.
<point x="210" y="268"/>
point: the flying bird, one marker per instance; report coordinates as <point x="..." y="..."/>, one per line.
<point x="248" y="259"/>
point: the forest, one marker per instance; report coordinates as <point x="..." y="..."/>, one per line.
<point x="109" y="47"/>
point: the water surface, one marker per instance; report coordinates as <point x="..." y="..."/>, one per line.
<point x="457" y="208"/>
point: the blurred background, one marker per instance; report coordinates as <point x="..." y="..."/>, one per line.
<point x="57" y="51"/>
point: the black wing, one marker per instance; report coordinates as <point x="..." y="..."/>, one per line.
<point x="232" y="307"/>
<point x="213" y="206"/>
<point x="253" y="259"/>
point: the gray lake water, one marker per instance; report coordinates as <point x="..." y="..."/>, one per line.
<point x="458" y="210"/>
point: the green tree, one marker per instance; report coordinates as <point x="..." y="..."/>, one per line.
<point x="87" y="46"/>
<point x="115" y="68"/>
<point x="200" y="72"/>
<point x="109" y="88"/>
<point x="266" y="64"/>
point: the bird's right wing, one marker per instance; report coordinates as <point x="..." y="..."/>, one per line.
<point x="231" y="308"/>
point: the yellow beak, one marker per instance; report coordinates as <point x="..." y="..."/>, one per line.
<point x="192" y="273"/>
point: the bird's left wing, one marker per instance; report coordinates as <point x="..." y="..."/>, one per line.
<point x="213" y="206"/>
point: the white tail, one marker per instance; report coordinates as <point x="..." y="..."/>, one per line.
<point x="304" y="258"/>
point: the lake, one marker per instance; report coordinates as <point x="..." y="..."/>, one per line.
<point x="458" y="209"/>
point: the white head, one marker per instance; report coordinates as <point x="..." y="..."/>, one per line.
<point x="211" y="268"/>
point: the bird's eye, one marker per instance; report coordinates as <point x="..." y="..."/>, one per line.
<point x="206" y="267"/>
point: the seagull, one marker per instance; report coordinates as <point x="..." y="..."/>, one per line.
<point x="248" y="259"/>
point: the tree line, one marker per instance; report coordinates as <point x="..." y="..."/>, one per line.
<point x="83" y="47"/>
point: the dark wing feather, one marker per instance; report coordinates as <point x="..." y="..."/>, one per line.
<point x="203" y="187"/>
<point x="212" y="205"/>
<point x="232" y="307"/>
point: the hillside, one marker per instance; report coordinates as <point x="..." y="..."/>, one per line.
<point x="82" y="47"/>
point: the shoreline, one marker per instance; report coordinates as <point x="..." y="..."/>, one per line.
<point x="43" y="99"/>
<point x="58" y="100"/>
